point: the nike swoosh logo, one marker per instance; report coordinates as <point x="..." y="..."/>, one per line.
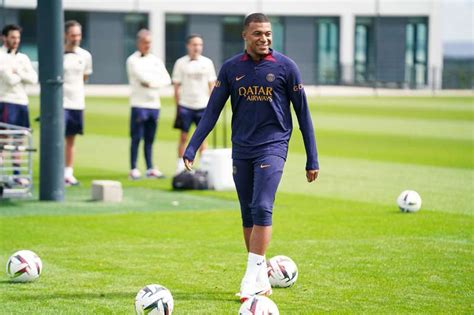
<point x="239" y="78"/>
<point x="264" y="165"/>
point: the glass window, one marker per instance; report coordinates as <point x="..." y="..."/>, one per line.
<point x="363" y="50"/>
<point x="327" y="59"/>
<point x="27" y="21"/>
<point x="277" y="33"/>
<point x="176" y="31"/>
<point x="232" y="36"/>
<point x="416" y="52"/>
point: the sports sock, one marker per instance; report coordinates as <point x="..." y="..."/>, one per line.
<point x="180" y="165"/>
<point x="254" y="263"/>
<point x="68" y="172"/>
<point x="262" y="275"/>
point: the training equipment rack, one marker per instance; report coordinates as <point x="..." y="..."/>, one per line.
<point x="16" y="163"/>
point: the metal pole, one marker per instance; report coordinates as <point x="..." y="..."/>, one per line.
<point x="50" y="52"/>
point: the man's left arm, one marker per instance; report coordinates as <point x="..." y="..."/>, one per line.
<point x="298" y="98"/>
<point x="162" y="77"/>
<point x="27" y="72"/>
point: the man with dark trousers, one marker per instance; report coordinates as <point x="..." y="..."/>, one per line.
<point x="261" y="84"/>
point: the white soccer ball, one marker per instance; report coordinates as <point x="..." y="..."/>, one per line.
<point x="282" y="271"/>
<point x="409" y="201"/>
<point x="260" y="305"/>
<point x="154" y="299"/>
<point x="24" y="266"/>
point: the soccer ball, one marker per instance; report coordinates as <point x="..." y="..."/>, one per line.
<point x="154" y="299"/>
<point x="260" y="305"/>
<point x="409" y="201"/>
<point x="24" y="266"/>
<point x="282" y="271"/>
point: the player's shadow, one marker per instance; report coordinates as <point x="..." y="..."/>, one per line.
<point x="181" y="296"/>
<point x="205" y="296"/>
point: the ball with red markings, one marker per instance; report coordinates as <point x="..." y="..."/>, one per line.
<point x="24" y="266"/>
<point x="282" y="271"/>
<point x="260" y="305"/>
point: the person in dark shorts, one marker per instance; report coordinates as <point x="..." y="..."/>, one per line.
<point x="193" y="79"/>
<point x="16" y="71"/>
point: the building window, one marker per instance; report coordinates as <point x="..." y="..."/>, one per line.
<point x="232" y="42"/>
<point x="27" y="21"/>
<point x="176" y="32"/>
<point x="278" y="31"/>
<point x="327" y="53"/>
<point x="416" y="55"/>
<point x="133" y="22"/>
<point x="364" y="51"/>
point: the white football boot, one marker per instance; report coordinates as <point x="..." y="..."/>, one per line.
<point x="135" y="174"/>
<point x="154" y="173"/>
<point x="70" y="181"/>
<point x="259" y="287"/>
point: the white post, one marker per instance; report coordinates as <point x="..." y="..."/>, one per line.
<point x="435" y="46"/>
<point x="346" y="49"/>
<point x="157" y="27"/>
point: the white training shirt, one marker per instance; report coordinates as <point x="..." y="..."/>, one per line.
<point x="194" y="77"/>
<point x="77" y="64"/>
<point x="15" y="71"/>
<point x="147" y="69"/>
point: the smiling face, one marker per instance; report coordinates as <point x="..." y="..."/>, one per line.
<point x="258" y="38"/>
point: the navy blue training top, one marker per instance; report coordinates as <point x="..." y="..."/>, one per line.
<point x="260" y="94"/>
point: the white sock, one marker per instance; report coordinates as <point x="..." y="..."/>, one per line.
<point x="68" y="172"/>
<point x="262" y="275"/>
<point x="254" y="264"/>
<point x="179" y="165"/>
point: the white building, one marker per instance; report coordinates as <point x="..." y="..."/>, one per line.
<point x="394" y="42"/>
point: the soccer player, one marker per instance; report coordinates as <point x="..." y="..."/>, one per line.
<point x="261" y="83"/>
<point x="193" y="79"/>
<point x="146" y="74"/>
<point x="15" y="71"/>
<point x="77" y="69"/>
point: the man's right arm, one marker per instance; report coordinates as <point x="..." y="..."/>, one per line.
<point x="218" y="98"/>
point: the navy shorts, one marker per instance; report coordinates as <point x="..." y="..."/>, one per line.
<point x="257" y="181"/>
<point x="186" y="117"/>
<point x="14" y="114"/>
<point x="74" y="122"/>
<point x="143" y="122"/>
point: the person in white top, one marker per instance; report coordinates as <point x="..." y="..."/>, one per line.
<point x="77" y="69"/>
<point x="194" y="77"/>
<point x="146" y="74"/>
<point x="15" y="71"/>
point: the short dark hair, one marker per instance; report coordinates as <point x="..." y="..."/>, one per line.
<point x="191" y="36"/>
<point x="10" y="27"/>
<point x="70" y="24"/>
<point x="255" y="18"/>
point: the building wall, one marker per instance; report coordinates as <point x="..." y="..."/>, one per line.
<point x="290" y="9"/>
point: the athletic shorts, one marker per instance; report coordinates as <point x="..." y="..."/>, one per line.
<point x="14" y="114"/>
<point x="257" y="181"/>
<point x="143" y="121"/>
<point x="73" y="122"/>
<point x="186" y="117"/>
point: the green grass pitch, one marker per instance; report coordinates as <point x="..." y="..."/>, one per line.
<point x="355" y="251"/>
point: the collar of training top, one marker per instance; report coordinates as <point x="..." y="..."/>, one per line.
<point x="268" y="57"/>
<point x="8" y="50"/>
<point x="73" y="51"/>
